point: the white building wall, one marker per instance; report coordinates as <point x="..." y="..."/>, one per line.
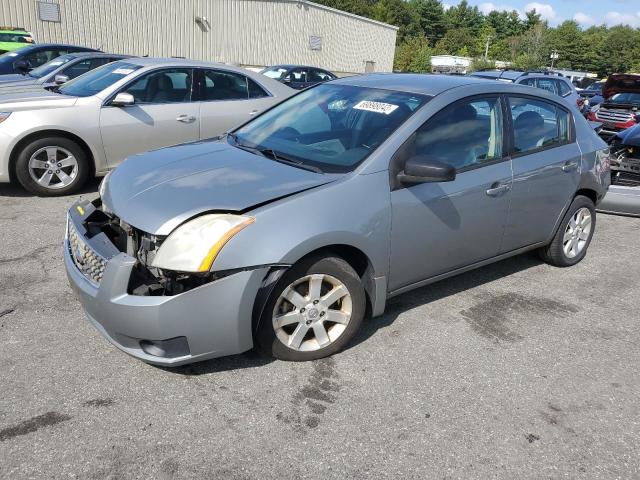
<point x="247" y="32"/>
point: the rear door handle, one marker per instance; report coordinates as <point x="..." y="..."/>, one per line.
<point x="254" y="112"/>
<point x="570" y="166"/>
<point x="498" y="189"/>
<point x="186" y="118"/>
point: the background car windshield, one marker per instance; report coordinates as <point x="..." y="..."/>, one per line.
<point x="625" y="98"/>
<point x="333" y="127"/>
<point x="275" y="72"/>
<point x="97" y="80"/>
<point x="49" y="67"/>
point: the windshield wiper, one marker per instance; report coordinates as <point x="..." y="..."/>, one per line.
<point x="278" y="157"/>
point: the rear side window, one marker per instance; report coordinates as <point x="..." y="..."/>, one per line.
<point x="220" y="85"/>
<point x="531" y="82"/>
<point x="255" y="90"/>
<point x="538" y="125"/>
<point x="548" y="84"/>
<point x="564" y="88"/>
<point x="464" y="135"/>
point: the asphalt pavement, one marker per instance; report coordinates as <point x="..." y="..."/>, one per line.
<point x="516" y="370"/>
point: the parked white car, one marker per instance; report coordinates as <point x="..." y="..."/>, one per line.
<point x="51" y="142"/>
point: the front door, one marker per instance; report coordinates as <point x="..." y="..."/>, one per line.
<point x="546" y="170"/>
<point x="439" y="227"/>
<point x="163" y="114"/>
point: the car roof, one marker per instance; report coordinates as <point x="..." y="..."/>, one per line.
<point x="181" y="62"/>
<point x="513" y="75"/>
<point x="420" y="83"/>
<point x="41" y="46"/>
<point x="95" y="55"/>
<point x="291" y="65"/>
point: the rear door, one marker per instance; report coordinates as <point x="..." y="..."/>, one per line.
<point x="228" y="99"/>
<point x="546" y="169"/>
<point x="442" y="226"/>
<point x="163" y="114"/>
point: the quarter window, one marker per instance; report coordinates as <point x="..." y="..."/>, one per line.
<point x="564" y="88"/>
<point x="464" y="135"/>
<point x="219" y="85"/>
<point x="538" y="124"/>
<point x="255" y="90"/>
<point x="165" y="86"/>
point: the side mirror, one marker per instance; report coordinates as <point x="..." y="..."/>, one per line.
<point x="23" y="66"/>
<point x="123" y="100"/>
<point x="60" y="79"/>
<point x="424" y="169"/>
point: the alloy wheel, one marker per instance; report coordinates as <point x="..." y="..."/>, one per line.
<point x="312" y="312"/>
<point x="577" y="233"/>
<point x="53" y="167"/>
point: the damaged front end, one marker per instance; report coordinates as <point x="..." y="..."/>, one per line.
<point x="625" y="164"/>
<point x="146" y="278"/>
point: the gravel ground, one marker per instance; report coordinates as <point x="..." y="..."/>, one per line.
<point x="516" y="370"/>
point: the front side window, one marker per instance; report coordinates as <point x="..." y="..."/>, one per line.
<point x="538" y="124"/>
<point x="164" y="86"/>
<point x="78" y="69"/>
<point x="464" y="135"/>
<point x="50" y="66"/>
<point x="41" y="57"/>
<point x="330" y="127"/>
<point x="531" y="82"/>
<point x="297" y="75"/>
<point x="97" y="80"/>
<point x="318" y="76"/>
<point x="221" y="85"/>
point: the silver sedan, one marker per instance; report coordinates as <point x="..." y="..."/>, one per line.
<point x="52" y="141"/>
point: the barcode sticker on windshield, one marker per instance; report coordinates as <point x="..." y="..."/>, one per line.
<point x="123" y="71"/>
<point x="377" y="107"/>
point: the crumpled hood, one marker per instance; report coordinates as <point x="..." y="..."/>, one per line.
<point x="630" y="137"/>
<point x="158" y="190"/>
<point x="621" y="83"/>
<point x="32" y="97"/>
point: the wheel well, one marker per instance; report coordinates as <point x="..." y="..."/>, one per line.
<point x="49" y="133"/>
<point x="587" y="192"/>
<point x="358" y="261"/>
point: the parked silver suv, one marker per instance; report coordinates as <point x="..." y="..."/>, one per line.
<point x="51" y="141"/>
<point x="286" y="231"/>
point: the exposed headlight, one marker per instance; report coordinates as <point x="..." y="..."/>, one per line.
<point x="595" y="108"/>
<point x="4" y="116"/>
<point x="193" y="247"/>
<point x="103" y="184"/>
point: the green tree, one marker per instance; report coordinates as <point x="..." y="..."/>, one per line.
<point x="431" y="19"/>
<point x="459" y="41"/>
<point x="413" y="55"/>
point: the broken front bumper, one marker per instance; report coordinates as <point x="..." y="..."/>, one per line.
<point x="209" y="321"/>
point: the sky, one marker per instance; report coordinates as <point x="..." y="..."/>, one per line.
<point x="585" y="12"/>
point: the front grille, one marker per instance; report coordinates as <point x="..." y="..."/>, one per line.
<point x="90" y="263"/>
<point x="625" y="179"/>
<point x="613" y="116"/>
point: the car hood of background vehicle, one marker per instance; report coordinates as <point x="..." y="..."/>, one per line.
<point x="157" y="191"/>
<point x="14" y="77"/>
<point x="621" y="83"/>
<point x="30" y="97"/>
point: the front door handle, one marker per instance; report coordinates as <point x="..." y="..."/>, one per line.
<point x="498" y="189"/>
<point x="570" y="166"/>
<point x="254" y="112"/>
<point x="186" y="118"/>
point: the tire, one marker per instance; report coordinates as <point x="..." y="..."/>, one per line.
<point x="70" y="161"/>
<point x="559" y="252"/>
<point x="326" y="274"/>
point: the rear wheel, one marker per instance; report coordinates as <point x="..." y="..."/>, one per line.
<point x="52" y="166"/>
<point x="313" y="312"/>
<point x="574" y="235"/>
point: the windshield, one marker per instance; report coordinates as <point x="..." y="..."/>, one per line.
<point x="625" y="98"/>
<point x="275" y="72"/>
<point x="595" y="87"/>
<point x="97" y="80"/>
<point x="330" y="127"/>
<point x="49" y="67"/>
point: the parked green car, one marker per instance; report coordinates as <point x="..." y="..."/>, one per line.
<point x="12" y="38"/>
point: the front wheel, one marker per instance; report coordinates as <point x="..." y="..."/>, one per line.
<point x="570" y="243"/>
<point x="52" y="166"/>
<point x="313" y="312"/>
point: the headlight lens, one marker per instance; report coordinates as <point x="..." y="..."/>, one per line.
<point x="4" y="116"/>
<point x="194" y="246"/>
<point x="103" y="184"/>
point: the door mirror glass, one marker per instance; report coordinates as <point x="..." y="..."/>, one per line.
<point x="423" y="169"/>
<point x="60" y="79"/>
<point x="123" y="99"/>
<point x="23" y="66"/>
